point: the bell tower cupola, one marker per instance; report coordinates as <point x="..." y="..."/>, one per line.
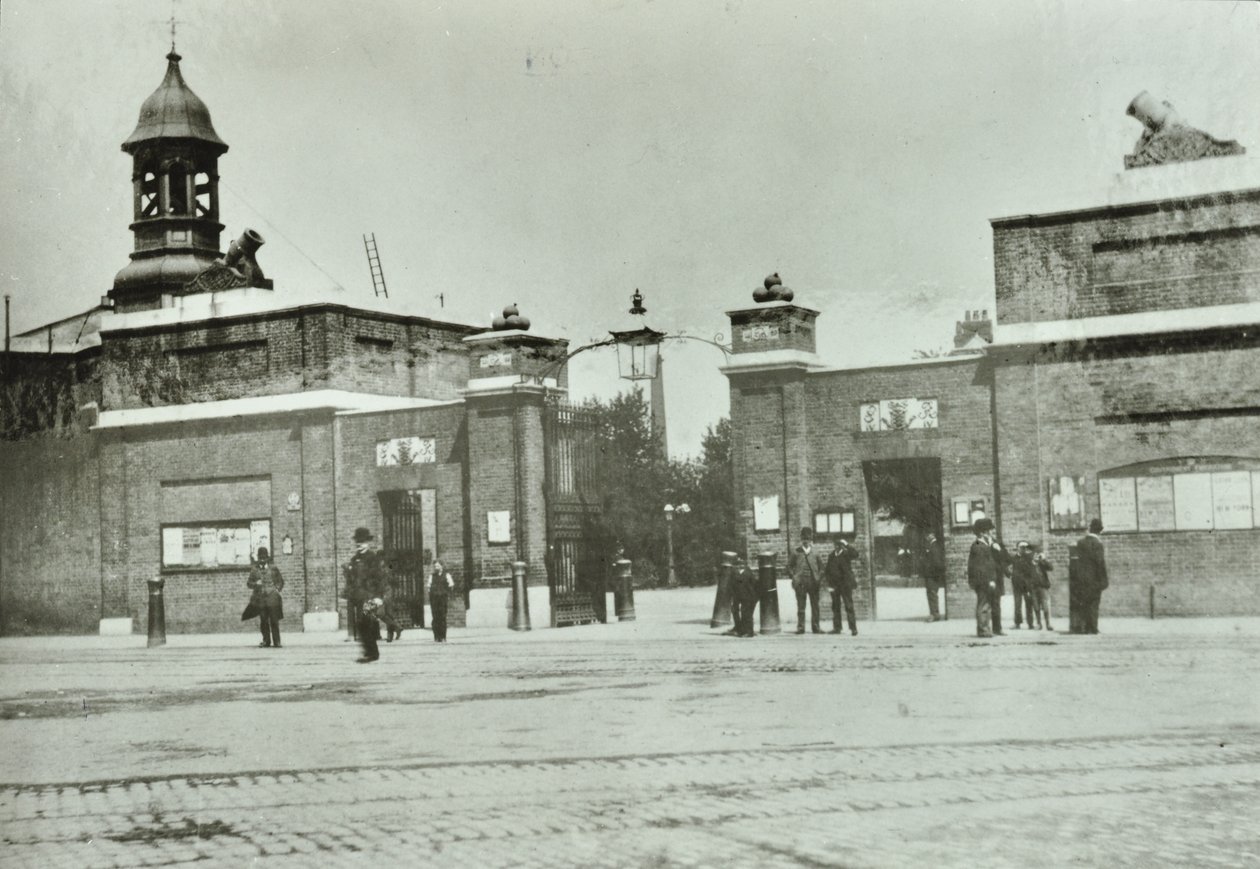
<point x="175" y="152"/>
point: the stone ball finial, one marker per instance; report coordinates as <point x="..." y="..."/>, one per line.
<point x="772" y="291"/>
<point x="510" y="319"/>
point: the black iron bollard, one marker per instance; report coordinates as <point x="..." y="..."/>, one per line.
<point x="157" y="613"/>
<point x="769" y="593"/>
<point x="623" y="594"/>
<point x="519" y="620"/>
<point x="722" y="603"/>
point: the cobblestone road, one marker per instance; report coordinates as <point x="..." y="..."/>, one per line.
<point x="664" y="745"/>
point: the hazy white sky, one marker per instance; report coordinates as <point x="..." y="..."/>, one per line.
<point x="561" y="154"/>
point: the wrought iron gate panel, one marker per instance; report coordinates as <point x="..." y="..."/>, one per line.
<point x="574" y="501"/>
<point x="402" y="544"/>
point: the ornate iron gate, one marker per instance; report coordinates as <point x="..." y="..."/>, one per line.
<point x="577" y="545"/>
<point x="402" y="544"/>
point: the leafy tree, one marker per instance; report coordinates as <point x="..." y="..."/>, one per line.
<point x="640" y="481"/>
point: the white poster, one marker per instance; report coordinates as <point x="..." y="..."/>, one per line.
<point x="260" y="535"/>
<point x="1231" y="499"/>
<point x="172" y="546"/>
<point x="1194" y="501"/>
<point x="1255" y="499"/>
<point x="1117" y="503"/>
<point x="766" y="513"/>
<point x="499" y="526"/>
<point x="1155" y="504"/>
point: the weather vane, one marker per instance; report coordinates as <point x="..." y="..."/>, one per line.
<point x="172" y="26"/>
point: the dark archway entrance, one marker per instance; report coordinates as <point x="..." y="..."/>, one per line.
<point x="904" y="497"/>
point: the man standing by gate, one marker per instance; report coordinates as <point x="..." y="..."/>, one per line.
<point x="843" y="582"/>
<point x="1092" y="575"/>
<point x="807" y="575"/>
<point x="932" y="566"/>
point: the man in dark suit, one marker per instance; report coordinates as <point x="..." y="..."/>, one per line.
<point x="843" y="581"/>
<point x="744" y="594"/>
<point x="1091" y="573"/>
<point x="366" y="577"/>
<point x="982" y="573"/>
<point x="807" y="574"/>
<point x="932" y="566"/>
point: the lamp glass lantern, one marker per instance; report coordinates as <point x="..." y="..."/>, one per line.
<point x="638" y="352"/>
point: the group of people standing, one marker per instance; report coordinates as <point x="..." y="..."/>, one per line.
<point x="372" y="597"/>
<point x="988" y="564"/>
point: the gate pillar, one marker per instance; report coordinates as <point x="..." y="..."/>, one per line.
<point x="769" y="593"/>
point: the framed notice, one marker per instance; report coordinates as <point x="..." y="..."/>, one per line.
<point x="765" y="512"/>
<point x="1231" y="499"/>
<point x="1118" y="503"/>
<point x="499" y="526"/>
<point x="1067" y="503"/>
<point x="1155" y="504"/>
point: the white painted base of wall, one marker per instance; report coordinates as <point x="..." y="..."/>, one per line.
<point x="319" y="622"/>
<point x="488" y="607"/>
<point x="116" y="627"/>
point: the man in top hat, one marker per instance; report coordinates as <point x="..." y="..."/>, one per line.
<point x="807" y="575"/>
<point x="366" y="580"/>
<point x="1091" y="574"/>
<point x="982" y="575"/>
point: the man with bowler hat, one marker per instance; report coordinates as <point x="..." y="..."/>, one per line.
<point x="982" y="573"/>
<point x="266" y="583"/>
<point x="807" y="575"/>
<point x="1092" y="574"/>
<point x="843" y="581"/>
<point x="932" y="566"/>
<point x="367" y="579"/>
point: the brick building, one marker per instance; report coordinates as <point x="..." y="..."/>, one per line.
<point x="191" y="418"/>
<point x="1117" y="381"/>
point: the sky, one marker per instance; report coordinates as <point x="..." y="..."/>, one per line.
<point x="560" y="155"/>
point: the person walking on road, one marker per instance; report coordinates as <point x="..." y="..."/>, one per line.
<point x="933" y="568"/>
<point x="982" y="572"/>
<point x="807" y="574"/>
<point x="439" y="586"/>
<point x="843" y="581"/>
<point x="1092" y="573"/>
<point x="366" y="579"/>
<point x="266" y="583"/>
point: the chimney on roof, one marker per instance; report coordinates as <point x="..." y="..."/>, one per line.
<point x="973" y="323"/>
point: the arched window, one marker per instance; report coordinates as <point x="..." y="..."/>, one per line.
<point x="147" y="200"/>
<point x="177" y="190"/>
<point x="203" y="196"/>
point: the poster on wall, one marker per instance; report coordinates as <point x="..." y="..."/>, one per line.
<point x="1067" y="503"/>
<point x="766" y="513"/>
<point x="1155" y="504"/>
<point x="260" y="535"/>
<point x="1117" y="503"/>
<point x="1193" y="493"/>
<point x="172" y="546"/>
<point x="499" y="526"/>
<point x="1231" y="499"/>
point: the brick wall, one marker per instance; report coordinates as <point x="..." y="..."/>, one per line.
<point x="800" y="437"/>
<point x="360" y="480"/>
<point x="135" y="466"/>
<point x="1076" y="413"/>
<point x="314" y="347"/>
<point x="50" y="546"/>
<point x="1175" y="253"/>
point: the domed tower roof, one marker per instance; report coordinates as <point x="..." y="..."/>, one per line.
<point x="173" y="111"/>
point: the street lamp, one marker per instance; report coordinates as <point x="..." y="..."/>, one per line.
<point x="670" y="510"/>
<point x="638" y="350"/>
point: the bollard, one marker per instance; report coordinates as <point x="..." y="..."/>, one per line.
<point x="722" y="603"/>
<point x="519" y="620"/>
<point x="623" y="593"/>
<point x="157" y="613"/>
<point x="769" y="593"/>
